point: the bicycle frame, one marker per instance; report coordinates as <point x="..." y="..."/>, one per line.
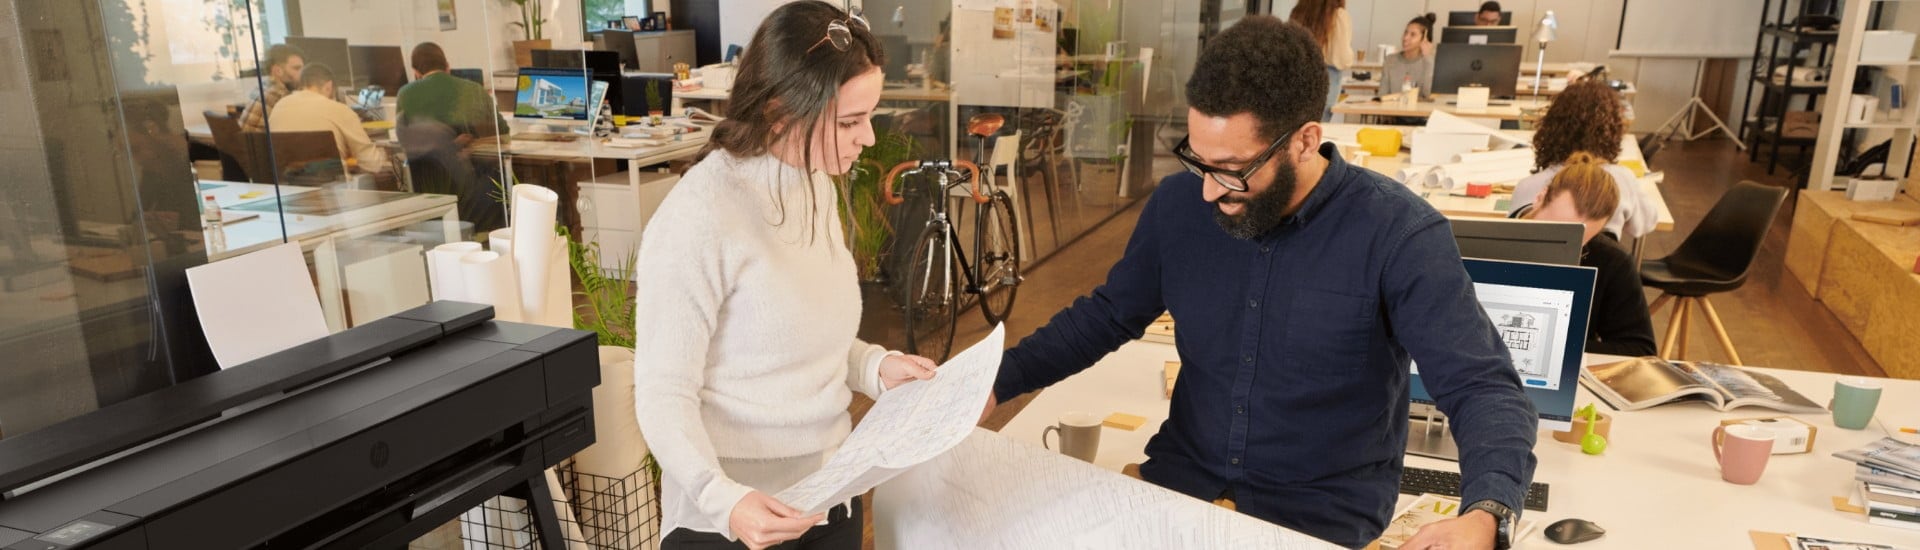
<point x="950" y="176"/>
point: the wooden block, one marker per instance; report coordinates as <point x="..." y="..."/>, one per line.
<point x="1124" y="421"/>
<point x="1893" y="217"/>
<point x="1807" y="242"/>
<point x="1172" y="372"/>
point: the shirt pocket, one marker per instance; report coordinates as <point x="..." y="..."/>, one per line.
<point x="1331" y="333"/>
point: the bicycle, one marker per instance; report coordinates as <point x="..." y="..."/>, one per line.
<point x="930" y="296"/>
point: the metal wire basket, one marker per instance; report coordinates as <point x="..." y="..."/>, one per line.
<point x="596" y="512"/>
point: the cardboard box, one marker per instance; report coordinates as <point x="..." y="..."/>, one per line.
<point x="1790" y="435"/>
<point x="1872" y="189"/>
<point x="1800" y="124"/>
<point x="1885" y="46"/>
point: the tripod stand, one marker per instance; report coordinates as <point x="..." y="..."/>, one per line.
<point x="1682" y="122"/>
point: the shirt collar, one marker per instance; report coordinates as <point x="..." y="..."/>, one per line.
<point x="1323" y="192"/>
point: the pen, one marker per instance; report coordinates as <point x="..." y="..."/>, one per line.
<point x="1904" y="429"/>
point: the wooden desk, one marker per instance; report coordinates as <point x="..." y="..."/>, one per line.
<point x="1514" y="111"/>
<point x="1862" y="272"/>
<point x="1656" y="486"/>
<point x="318" y="235"/>
<point x="1524" y="88"/>
<point x="1497" y="205"/>
<point x="1526" y="69"/>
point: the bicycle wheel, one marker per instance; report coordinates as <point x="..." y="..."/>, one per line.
<point x="997" y="269"/>
<point x="930" y="297"/>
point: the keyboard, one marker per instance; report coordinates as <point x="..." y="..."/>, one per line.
<point x="1414" y="481"/>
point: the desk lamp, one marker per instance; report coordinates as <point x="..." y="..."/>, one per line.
<point x="1545" y="32"/>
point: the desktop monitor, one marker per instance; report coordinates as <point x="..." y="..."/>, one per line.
<point x="382" y="66"/>
<point x="1540" y="312"/>
<point x="1539" y="242"/>
<point x="558" y="94"/>
<point x="1480" y="35"/>
<point x="1470" y="18"/>
<point x="604" y="63"/>
<point x="331" y="51"/>
<point x="1496" y="66"/>
<point x="476" y="76"/>
<point x="643" y="93"/>
<point x="619" y="42"/>
<point x="899" y="54"/>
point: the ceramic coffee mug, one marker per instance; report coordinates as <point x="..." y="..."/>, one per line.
<point x="1079" y="435"/>
<point x="1742" y="451"/>
<point x="1854" y="400"/>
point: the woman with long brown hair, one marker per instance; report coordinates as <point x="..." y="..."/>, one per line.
<point x="1588" y="118"/>
<point x="1332" y="28"/>
<point x="745" y="355"/>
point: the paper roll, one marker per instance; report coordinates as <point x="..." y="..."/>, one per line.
<point x="534" y="242"/>
<point x="489" y="280"/>
<point x="559" y="290"/>
<point x="443" y="270"/>
<point x="501" y="241"/>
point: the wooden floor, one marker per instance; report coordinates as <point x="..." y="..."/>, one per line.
<point x="1772" y="320"/>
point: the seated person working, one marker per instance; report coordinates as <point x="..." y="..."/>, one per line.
<point x="1414" y="64"/>
<point x="441" y="118"/>
<point x="312" y="108"/>
<point x="435" y="95"/>
<point x="284" y="64"/>
<point x="1489" y="15"/>
<point x="1587" y="118"/>
<point x="1303" y="286"/>
<point x="1583" y="192"/>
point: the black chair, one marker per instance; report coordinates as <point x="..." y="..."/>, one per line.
<point x="1715" y="258"/>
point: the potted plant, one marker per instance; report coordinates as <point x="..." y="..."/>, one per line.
<point x="531" y="22"/>
<point x="655" y="107"/>
<point x="862" y="209"/>
<point x="604" y="306"/>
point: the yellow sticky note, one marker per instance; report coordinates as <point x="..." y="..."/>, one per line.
<point x="1124" y="421"/>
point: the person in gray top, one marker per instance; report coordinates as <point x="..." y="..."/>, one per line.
<point x="1414" y="63"/>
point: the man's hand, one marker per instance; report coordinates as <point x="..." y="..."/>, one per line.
<point x="1474" y="531"/>
<point x="759" y="521"/>
<point x="900" y="369"/>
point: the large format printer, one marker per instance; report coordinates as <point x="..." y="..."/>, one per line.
<point x="368" y="438"/>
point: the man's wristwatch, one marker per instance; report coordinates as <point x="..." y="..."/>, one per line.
<point x="1503" y="519"/>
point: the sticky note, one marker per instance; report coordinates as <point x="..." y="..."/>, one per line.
<point x="1124" y="421"/>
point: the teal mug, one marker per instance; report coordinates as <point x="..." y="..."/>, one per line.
<point x="1854" y="399"/>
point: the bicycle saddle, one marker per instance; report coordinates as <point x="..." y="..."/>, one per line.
<point x="987" y="124"/>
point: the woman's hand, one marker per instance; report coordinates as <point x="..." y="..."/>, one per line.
<point x="900" y="369"/>
<point x="759" y="521"/>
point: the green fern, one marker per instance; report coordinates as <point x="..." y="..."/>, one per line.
<point x="607" y="308"/>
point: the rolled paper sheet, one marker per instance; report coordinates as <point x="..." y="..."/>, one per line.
<point x="559" y="289"/>
<point x="501" y="241"/>
<point x="489" y="280"/>
<point x="1412" y="175"/>
<point x="443" y="270"/>
<point x="534" y="241"/>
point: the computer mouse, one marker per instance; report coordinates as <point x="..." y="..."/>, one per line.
<point x="1573" y="531"/>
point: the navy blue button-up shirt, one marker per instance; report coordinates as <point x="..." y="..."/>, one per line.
<point x="1292" y="396"/>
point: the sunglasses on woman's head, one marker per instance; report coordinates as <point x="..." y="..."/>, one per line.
<point x="839" y="33"/>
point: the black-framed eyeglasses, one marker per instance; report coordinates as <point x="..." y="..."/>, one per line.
<point x="840" y="33"/>
<point x="1235" y="180"/>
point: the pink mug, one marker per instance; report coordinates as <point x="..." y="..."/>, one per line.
<point x="1742" y="451"/>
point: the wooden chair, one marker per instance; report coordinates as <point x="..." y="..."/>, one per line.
<point x="269" y="156"/>
<point x="226" y="138"/>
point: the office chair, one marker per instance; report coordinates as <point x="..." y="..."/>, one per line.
<point x="1715" y="258"/>
<point x="226" y="138"/>
<point x="271" y="155"/>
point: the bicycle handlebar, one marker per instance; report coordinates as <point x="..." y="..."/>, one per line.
<point x="886" y="185"/>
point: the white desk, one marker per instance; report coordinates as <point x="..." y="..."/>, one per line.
<point x="591" y="148"/>
<point x="318" y="235"/>
<point x="1490" y="206"/>
<point x="1656" y="486"/>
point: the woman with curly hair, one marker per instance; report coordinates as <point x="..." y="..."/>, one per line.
<point x="1587" y="118"/>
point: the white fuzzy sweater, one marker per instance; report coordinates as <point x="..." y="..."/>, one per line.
<point x="745" y="349"/>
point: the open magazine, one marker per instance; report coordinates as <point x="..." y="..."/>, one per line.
<point x="1636" y="384"/>
<point x="1431" y="508"/>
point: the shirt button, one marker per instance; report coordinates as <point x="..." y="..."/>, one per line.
<point x="1266" y="249"/>
<point x="1248" y="358"/>
<point x="1240" y="409"/>
<point x="1253" y="304"/>
<point x="1235" y="461"/>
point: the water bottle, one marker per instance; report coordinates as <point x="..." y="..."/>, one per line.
<point x="210" y="214"/>
<point x="1409" y="93"/>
